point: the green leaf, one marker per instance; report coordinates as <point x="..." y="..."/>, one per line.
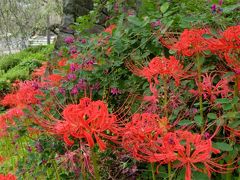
<point x="198" y="120"/>
<point x="222" y="101"/>
<point x="212" y="116"/>
<point x="185" y="122"/>
<point x="164" y="7"/>
<point x="222" y="146"/>
<point x="207" y="36"/>
<point x="135" y="20"/>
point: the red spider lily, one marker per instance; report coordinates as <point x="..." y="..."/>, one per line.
<point x="62" y="62"/>
<point x="40" y="71"/>
<point x="25" y="95"/>
<point x="7" y="119"/>
<point x="192" y="42"/>
<point x="3" y="126"/>
<point x="160" y="66"/>
<point x="88" y="120"/>
<point x="234" y="131"/>
<point x="54" y="79"/>
<point x="7" y="177"/>
<point x="211" y="91"/>
<point x="110" y="28"/>
<point x="227" y="46"/>
<point x="141" y="134"/>
<point x="194" y="150"/>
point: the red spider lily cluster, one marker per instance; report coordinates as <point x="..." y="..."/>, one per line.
<point x="210" y="90"/>
<point x="7" y="177"/>
<point x="89" y="120"/>
<point x="145" y="136"/>
<point x="148" y="138"/>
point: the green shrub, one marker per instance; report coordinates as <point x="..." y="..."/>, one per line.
<point x="4" y="86"/>
<point x="30" y="64"/>
<point x="17" y="73"/>
<point x="8" y="62"/>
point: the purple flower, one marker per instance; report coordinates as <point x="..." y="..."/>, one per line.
<point x="220" y="2"/>
<point x="29" y="149"/>
<point x="83" y="41"/>
<point x="74" y="67"/>
<point x="62" y="90"/>
<point x="95" y="86"/>
<point x="214" y="8"/>
<point x="38" y="147"/>
<point x="74" y="90"/>
<point x="82" y="84"/>
<point x="115" y="91"/>
<point x="156" y="24"/>
<point x="207" y="135"/>
<point x="71" y="77"/>
<point x="73" y="50"/>
<point x="69" y="40"/>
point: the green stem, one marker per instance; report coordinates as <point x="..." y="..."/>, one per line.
<point x="153" y="171"/>
<point x="169" y="171"/>
<point x="95" y="165"/>
<point x="165" y="95"/>
<point x="56" y="169"/>
<point x="199" y="73"/>
<point x="236" y="91"/>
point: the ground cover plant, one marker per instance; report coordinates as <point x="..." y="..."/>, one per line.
<point x="153" y="96"/>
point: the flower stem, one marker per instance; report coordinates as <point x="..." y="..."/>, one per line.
<point x="165" y="95"/>
<point x="169" y="171"/>
<point x="95" y="165"/>
<point x="199" y="73"/>
<point x="153" y="171"/>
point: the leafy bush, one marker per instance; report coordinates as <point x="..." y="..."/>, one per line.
<point x="17" y="73"/>
<point x="8" y="62"/>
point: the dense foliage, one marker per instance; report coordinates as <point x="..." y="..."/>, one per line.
<point x="153" y="96"/>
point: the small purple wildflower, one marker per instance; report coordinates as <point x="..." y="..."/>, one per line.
<point x="38" y="147"/>
<point x="62" y="90"/>
<point x="82" y="84"/>
<point x="95" y="86"/>
<point x="83" y="41"/>
<point x="156" y="24"/>
<point x="115" y="91"/>
<point x="73" y="50"/>
<point x="207" y="135"/>
<point x="69" y="40"/>
<point x="74" y="90"/>
<point x="71" y="77"/>
<point x="74" y="67"/>
<point x="220" y="2"/>
<point x="29" y="149"/>
<point x="214" y="8"/>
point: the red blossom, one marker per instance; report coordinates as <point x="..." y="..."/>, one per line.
<point x="110" y="28"/>
<point x="7" y="177"/>
<point x="141" y="134"/>
<point x="25" y="95"/>
<point x="227" y="46"/>
<point x="192" y="42"/>
<point x="40" y="71"/>
<point x="211" y="90"/>
<point x="62" y="62"/>
<point x="89" y="120"/>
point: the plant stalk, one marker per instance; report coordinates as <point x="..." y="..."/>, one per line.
<point x="153" y="171"/>
<point x="95" y="165"/>
<point x="169" y="171"/>
<point x="165" y="95"/>
<point x="199" y="73"/>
